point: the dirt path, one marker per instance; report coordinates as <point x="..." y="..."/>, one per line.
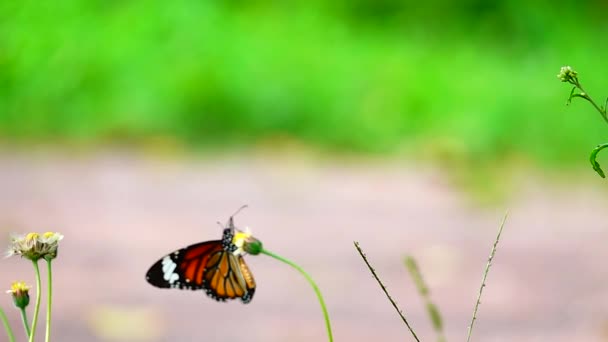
<point x="120" y="213"/>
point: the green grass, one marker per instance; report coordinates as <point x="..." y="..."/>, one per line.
<point x="436" y="81"/>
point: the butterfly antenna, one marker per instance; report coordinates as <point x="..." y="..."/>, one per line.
<point x="239" y="210"/>
<point x="231" y="220"/>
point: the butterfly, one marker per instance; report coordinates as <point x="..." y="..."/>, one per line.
<point x="213" y="266"/>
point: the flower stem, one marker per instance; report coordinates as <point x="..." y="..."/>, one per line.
<point x="26" y="325"/>
<point x="49" y="300"/>
<point x="586" y="96"/>
<point x="37" y="306"/>
<point x="312" y="283"/>
<point x="7" y="326"/>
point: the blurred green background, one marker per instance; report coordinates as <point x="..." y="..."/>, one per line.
<point x="468" y="87"/>
<point x="471" y="81"/>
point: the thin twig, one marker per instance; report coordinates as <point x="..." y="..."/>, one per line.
<point x="385" y="291"/>
<point x="423" y="290"/>
<point x="485" y="275"/>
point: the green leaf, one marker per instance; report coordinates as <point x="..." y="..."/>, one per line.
<point x="592" y="158"/>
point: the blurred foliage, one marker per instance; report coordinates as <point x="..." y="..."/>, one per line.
<point x="470" y="81"/>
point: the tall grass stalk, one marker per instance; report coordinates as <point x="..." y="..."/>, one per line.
<point x="485" y="275"/>
<point x="7" y="326"/>
<point x="423" y="290"/>
<point x="401" y="314"/>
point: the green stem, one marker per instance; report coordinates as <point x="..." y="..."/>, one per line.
<point x="7" y="326"/>
<point x="26" y="325"/>
<point x="586" y="96"/>
<point x="312" y="283"/>
<point x="49" y="300"/>
<point x="37" y="307"/>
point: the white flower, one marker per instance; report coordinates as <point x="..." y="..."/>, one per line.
<point x="33" y="246"/>
<point x="239" y="240"/>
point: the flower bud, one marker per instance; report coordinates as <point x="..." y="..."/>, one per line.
<point x="252" y="246"/>
<point x="567" y="74"/>
<point x="246" y="243"/>
<point x="20" y="293"/>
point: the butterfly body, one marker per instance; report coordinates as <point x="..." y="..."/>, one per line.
<point x="212" y="266"/>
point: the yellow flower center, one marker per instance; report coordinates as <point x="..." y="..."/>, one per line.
<point x="240" y="237"/>
<point x="48" y="235"/>
<point x="18" y="287"/>
<point x="239" y="240"/>
<point x="32" y="236"/>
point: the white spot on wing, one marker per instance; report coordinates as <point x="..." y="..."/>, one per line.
<point x="169" y="270"/>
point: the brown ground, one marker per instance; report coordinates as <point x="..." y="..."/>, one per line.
<point x="119" y="214"/>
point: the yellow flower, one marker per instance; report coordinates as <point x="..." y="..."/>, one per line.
<point x="18" y="287"/>
<point x="33" y="246"/>
<point x="20" y="293"/>
<point x="246" y="243"/>
<point x="32" y="236"/>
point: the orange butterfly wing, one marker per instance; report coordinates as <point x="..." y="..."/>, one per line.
<point x="228" y="277"/>
<point x="183" y="268"/>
